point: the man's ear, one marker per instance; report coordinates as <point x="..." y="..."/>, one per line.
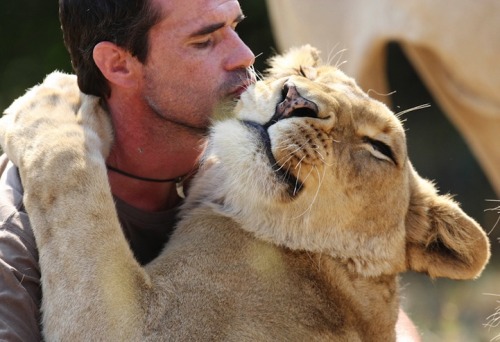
<point x="441" y="240"/>
<point x="116" y="64"/>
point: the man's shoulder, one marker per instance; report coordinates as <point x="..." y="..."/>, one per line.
<point x="13" y="218"/>
<point x="20" y="291"/>
<point x="11" y="189"/>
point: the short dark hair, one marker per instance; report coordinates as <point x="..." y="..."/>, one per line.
<point x="85" y="23"/>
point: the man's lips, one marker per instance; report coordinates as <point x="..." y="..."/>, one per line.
<point x="236" y="92"/>
<point x="249" y="79"/>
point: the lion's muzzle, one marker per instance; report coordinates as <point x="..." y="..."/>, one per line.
<point x="293" y="105"/>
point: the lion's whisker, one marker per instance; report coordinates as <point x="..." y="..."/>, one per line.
<point x="493" y="320"/>
<point x="286" y="158"/>
<point x="339" y="54"/>
<point x="295" y="189"/>
<point x="320" y="182"/>
<point x="290" y="154"/>
<point x="412" y="109"/>
<point x="497" y="209"/>
<point x="301" y="146"/>
<point x="334" y="140"/>
<point x="284" y="144"/>
<point x="379" y="94"/>
<point x="332" y="54"/>
<point x="286" y="173"/>
<point x="300" y="161"/>
<point x="252" y="71"/>
<point x="308" y="174"/>
<point x="322" y="158"/>
<point x="282" y="164"/>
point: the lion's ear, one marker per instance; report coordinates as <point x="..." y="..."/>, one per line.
<point x="441" y="240"/>
<point x="293" y="62"/>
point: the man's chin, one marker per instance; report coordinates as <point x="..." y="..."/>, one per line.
<point x="224" y="109"/>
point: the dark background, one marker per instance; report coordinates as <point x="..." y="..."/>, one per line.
<point x="32" y="47"/>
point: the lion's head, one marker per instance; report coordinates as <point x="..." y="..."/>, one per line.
<point x="312" y="162"/>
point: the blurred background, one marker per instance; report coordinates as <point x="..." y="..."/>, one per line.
<point x="443" y="310"/>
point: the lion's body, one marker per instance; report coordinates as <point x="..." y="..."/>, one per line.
<point x="303" y="214"/>
<point x="247" y="289"/>
<point x="221" y="283"/>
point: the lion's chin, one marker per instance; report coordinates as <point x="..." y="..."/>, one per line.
<point x="294" y="185"/>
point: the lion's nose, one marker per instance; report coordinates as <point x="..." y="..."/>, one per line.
<point x="294" y="104"/>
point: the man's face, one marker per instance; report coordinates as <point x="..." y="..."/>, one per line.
<point x="196" y="60"/>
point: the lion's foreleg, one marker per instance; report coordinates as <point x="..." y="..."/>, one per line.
<point x="93" y="288"/>
<point x="90" y="279"/>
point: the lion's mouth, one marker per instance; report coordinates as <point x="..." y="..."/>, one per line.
<point x="282" y="174"/>
<point x="291" y="105"/>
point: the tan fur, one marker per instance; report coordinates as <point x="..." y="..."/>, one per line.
<point x="257" y="254"/>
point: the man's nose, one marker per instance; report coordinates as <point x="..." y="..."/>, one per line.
<point x="241" y="57"/>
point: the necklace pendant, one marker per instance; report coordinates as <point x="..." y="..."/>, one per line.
<point x="179" y="187"/>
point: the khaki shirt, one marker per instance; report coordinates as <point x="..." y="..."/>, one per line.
<point x="20" y="290"/>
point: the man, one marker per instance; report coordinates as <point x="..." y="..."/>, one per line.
<point x="161" y="68"/>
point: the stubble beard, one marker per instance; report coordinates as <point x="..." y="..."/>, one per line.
<point x="174" y="122"/>
<point x="223" y="107"/>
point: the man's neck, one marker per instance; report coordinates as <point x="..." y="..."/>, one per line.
<point x="149" y="149"/>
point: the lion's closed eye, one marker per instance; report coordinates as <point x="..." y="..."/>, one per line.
<point x="380" y="149"/>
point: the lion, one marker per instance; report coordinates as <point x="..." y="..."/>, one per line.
<point x="304" y="212"/>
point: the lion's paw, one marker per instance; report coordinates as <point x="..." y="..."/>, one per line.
<point x="50" y="118"/>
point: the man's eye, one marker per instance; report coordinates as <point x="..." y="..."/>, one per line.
<point x="203" y="44"/>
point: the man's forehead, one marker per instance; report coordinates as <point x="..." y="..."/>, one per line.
<point x="192" y="15"/>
